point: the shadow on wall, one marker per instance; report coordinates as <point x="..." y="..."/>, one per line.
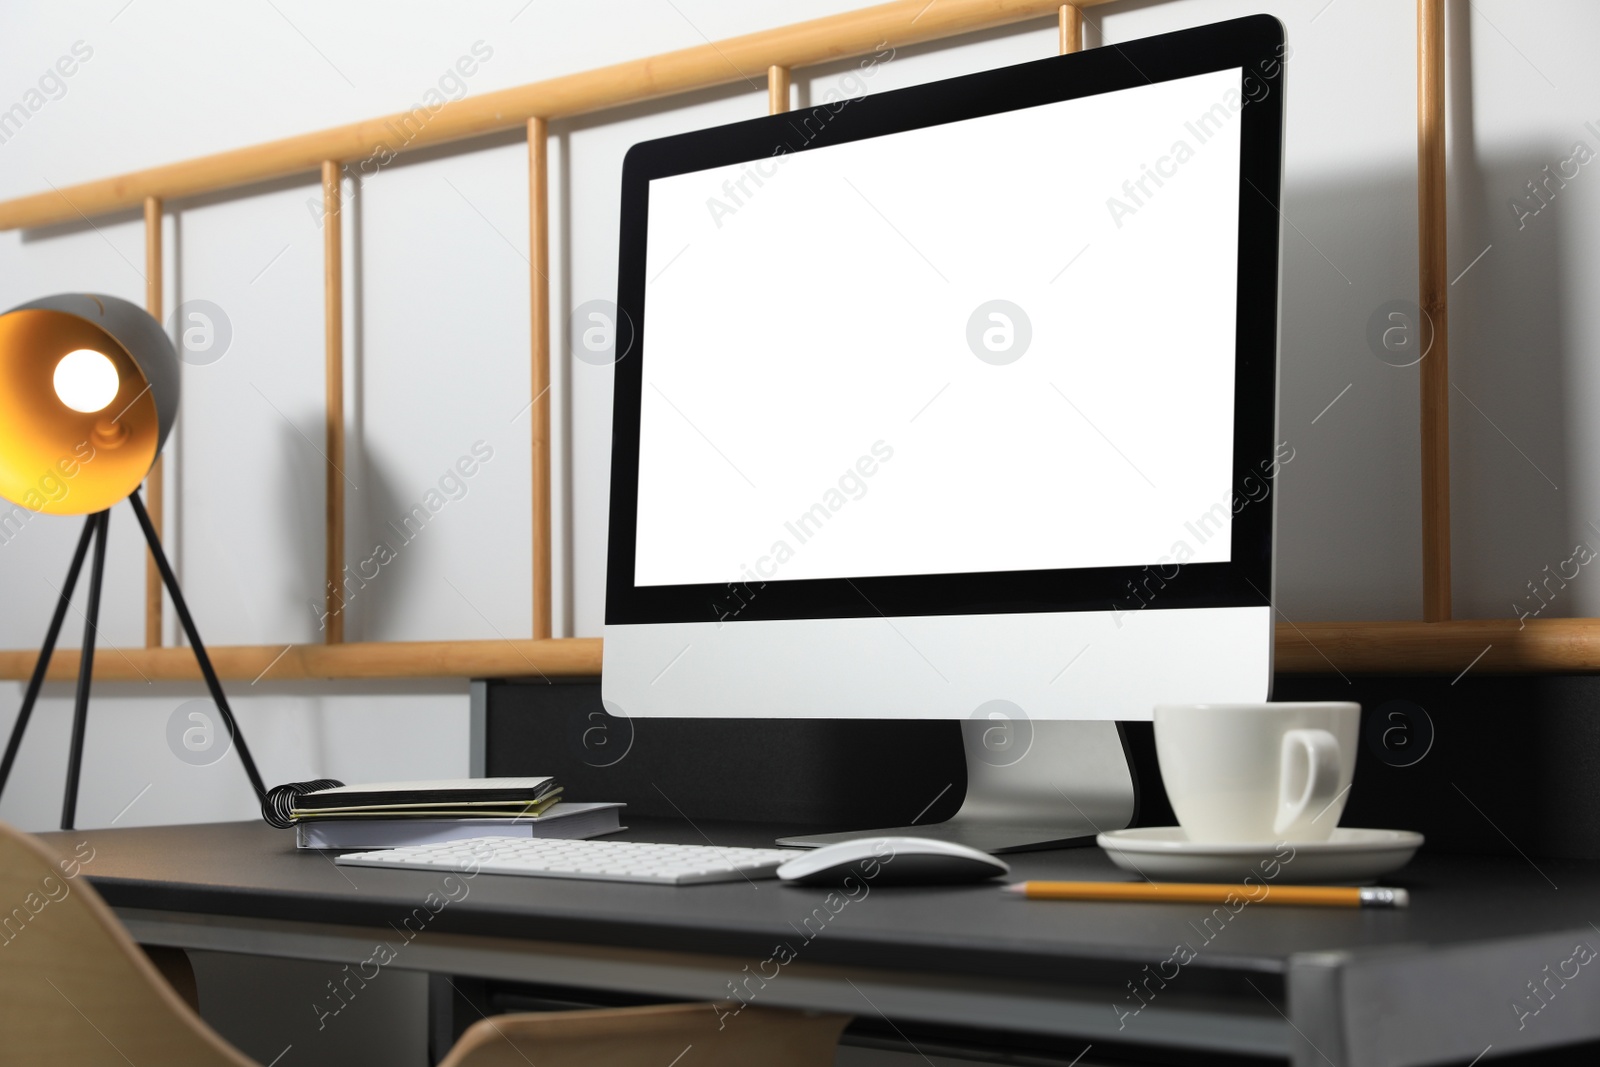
<point x="1351" y="490"/>
<point x="382" y="576"/>
<point x="1349" y="394"/>
<point x="299" y="488"/>
<point x="1511" y="338"/>
<point x="1513" y="515"/>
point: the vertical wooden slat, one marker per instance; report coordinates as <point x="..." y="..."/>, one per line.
<point x="539" y="302"/>
<point x="1433" y="286"/>
<point x="777" y="90"/>
<point x="333" y="354"/>
<point x="1071" y="28"/>
<point x="155" y="482"/>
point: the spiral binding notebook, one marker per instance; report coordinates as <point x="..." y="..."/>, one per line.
<point x="329" y="814"/>
<point x="568" y="822"/>
<point x="509" y="797"/>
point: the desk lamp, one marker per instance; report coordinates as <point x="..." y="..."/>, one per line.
<point x="88" y="394"/>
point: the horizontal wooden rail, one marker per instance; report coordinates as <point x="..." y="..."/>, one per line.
<point x="565" y="658"/>
<point x="1451" y="647"/>
<point x="1483" y="645"/>
<point x="747" y="58"/>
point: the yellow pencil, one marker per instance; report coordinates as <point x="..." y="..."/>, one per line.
<point x="1326" y="896"/>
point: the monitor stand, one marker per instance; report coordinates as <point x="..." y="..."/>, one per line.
<point x="1030" y="785"/>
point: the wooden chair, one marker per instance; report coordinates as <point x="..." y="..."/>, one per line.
<point x="686" y="1035"/>
<point x="76" y="990"/>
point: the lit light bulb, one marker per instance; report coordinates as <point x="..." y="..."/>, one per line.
<point x="86" y="380"/>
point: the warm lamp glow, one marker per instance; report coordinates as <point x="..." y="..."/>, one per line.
<point x="86" y="380"/>
<point x="88" y="392"/>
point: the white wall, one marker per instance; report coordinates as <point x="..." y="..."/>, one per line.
<point x="438" y="335"/>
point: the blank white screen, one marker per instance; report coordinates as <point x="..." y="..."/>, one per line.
<point x="798" y="329"/>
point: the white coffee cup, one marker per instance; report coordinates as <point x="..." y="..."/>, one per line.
<point x="1257" y="772"/>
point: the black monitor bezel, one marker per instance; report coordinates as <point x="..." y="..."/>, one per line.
<point x="1254" y="44"/>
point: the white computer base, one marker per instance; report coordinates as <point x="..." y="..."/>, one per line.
<point x="1030" y="785"/>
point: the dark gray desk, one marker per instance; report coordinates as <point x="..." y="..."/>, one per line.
<point x="1318" y="987"/>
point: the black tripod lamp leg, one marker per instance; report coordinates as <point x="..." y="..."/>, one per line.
<point x="80" y="709"/>
<point x="212" y="682"/>
<point x="45" y="652"/>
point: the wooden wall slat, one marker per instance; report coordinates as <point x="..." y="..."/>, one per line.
<point x="1433" y="285"/>
<point x="569" y="657"/>
<point x="539" y="303"/>
<point x="156" y="481"/>
<point x="1071" y="21"/>
<point x="1475" y="646"/>
<point x="333" y="359"/>
<point x="777" y="90"/>
<point x="1448" y="648"/>
<point x="736" y="59"/>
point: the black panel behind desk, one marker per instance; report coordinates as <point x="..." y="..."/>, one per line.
<point x="828" y="773"/>
<point x="1487" y="764"/>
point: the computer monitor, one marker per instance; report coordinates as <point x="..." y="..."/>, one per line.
<point x="959" y="402"/>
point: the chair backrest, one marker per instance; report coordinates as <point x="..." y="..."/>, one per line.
<point x="679" y="1035"/>
<point x="74" y="988"/>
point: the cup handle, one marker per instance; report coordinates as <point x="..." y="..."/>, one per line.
<point x="1308" y="776"/>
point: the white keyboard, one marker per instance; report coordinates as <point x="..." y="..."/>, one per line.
<point x="609" y="861"/>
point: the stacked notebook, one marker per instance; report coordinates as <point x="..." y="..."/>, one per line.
<point x="397" y="814"/>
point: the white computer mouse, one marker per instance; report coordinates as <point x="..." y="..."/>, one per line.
<point x="892" y="861"/>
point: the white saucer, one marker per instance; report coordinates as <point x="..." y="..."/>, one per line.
<point x="1165" y="853"/>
